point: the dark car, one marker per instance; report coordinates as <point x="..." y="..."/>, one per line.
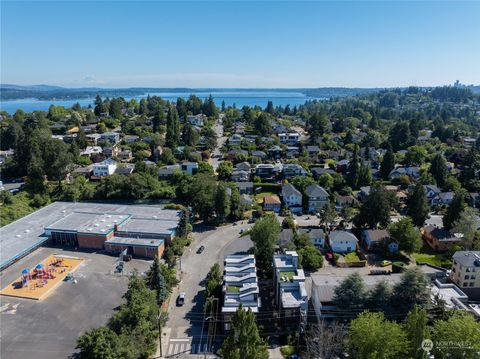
<point x="200" y="249"/>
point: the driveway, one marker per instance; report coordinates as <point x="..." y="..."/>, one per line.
<point x="183" y="332"/>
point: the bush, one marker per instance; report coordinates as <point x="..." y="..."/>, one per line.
<point x="287" y="350"/>
<point x="39" y="201"/>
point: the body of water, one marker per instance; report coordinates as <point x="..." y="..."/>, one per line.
<point x="238" y="98"/>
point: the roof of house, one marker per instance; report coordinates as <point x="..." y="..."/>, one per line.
<point x="312" y="232"/>
<point x="342" y="236"/>
<point x="467" y="258"/>
<point x="314" y="190"/>
<point x="376" y="235"/>
<point x="290" y="190"/>
<point x="441" y="234"/>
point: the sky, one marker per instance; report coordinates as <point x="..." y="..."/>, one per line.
<point x="241" y="44"/>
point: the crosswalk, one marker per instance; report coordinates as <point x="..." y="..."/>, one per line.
<point x="184" y="346"/>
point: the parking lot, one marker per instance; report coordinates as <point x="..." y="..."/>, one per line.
<point x="50" y="327"/>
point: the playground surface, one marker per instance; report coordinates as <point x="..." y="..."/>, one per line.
<point x="38" y="282"/>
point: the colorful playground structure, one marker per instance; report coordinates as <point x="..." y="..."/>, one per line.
<point x="38" y="282"/>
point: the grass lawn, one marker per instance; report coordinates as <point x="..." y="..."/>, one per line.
<point x="233" y="289"/>
<point x="352" y="257"/>
<point x="259" y="196"/>
<point x="289" y="275"/>
<point x="430" y="257"/>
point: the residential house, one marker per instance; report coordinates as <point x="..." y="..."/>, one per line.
<point x="342" y="241"/>
<point x="291" y="170"/>
<point x="286" y="237"/>
<point x="265" y="171"/>
<point x="112" y="137"/>
<point x="373" y="239"/>
<point x="272" y="203"/>
<point x="365" y="191"/>
<point x="290" y="138"/>
<point x="412" y="172"/>
<point x="189" y="167"/>
<point x="104" y="168"/>
<point x="275" y="152"/>
<point x="233" y="154"/>
<point x="290" y="292"/>
<point x="259" y="154"/>
<point x="196" y="120"/>
<point x="341" y="201"/>
<point x="318" y="171"/>
<point x="84" y="171"/>
<point x="125" y="155"/>
<point x="323" y="290"/>
<point x="129" y="139"/>
<point x="443" y="198"/>
<point x="125" y="169"/>
<point x="91" y="150"/>
<point x="292" y="198"/>
<point x="245" y="187"/>
<point x="292" y="152"/>
<point x="167" y="171"/>
<point x="93" y="138"/>
<point x="316" y="235"/>
<point x="240" y="176"/>
<point x="431" y="192"/>
<point x="235" y="139"/>
<point x="466" y="272"/>
<point x="342" y="165"/>
<point x="111" y="151"/>
<point x="440" y="239"/>
<point x="317" y="197"/>
<point x="240" y="286"/>
<point x="313" y="150"/>
<point x="244" y="166"/>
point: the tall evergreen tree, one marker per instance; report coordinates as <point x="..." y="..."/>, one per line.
<point x="244" y="341"/>
<point x="388" y="163"/>
<point x="158" y="119"/>
<point x="222" y="203"/>
<point x="417" y="330"/>
<point x="353" y="174"/>
<point x="156" y="282"/>
<point x="173" y="129"/>
<point x="454" y="211"/>
<point x="438" y="169"/>
<point x="417" y="205"/>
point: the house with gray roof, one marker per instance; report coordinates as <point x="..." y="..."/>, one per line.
<point x="317" y="197"/>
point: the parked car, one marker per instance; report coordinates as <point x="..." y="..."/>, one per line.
<point x="200" y="249"/>
<point x="385" y="263"/>
<point x="181" y="299"/>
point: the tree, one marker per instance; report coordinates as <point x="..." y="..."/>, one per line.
<point x="467" y="225"/>
<point x="388" y="163"/>
<point x="364" y="174"/>
<point x="353" y="173"/>
<point x="224" y="170"/>
<point x="415" y="156"/>
<point x="417" y="205"/>
<point x="463" y="334"/>
<point x="214" y="282"/>
<point x="244" y="341"/>
<point x="375" y="211"/>
<point x="371" y="336"/>
<point x="350" y="294"/>
<point x="173" y="129"/>
<point x="417" y="330"/>
<point x="325" y="341"/>
<point x="156" y="282"/>
<point x="99" y="343"/>
<point x="288" y="222"/>
<point x="262" y="124"/>
<point x="439" y="169"/>
<point x="264" y="235"/>
<point x="222" y="203"/>
<point x="317" y="125"/>
<point x="311" y="258"/>
<point x="158" y="119"/>
<point x="410" y="291"/>
<point x="406" y="235"/>
<point x="455" y="210"/>
<point x="327" y="214"/>
<point x="184" y="226"/>
<point x="379" y="297"/>
<point x="237" y="205"/>
<point x="269" y="109"/>
<point x="190" y="135"/>
<point x="399" y="136"/>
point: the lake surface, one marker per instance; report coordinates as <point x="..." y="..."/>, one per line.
<point x="238" y="98"/>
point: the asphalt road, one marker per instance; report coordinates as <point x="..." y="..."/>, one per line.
<point x="217" y="155"/>
<point x="183" y="332"/>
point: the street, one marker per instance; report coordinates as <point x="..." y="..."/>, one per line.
<point x="217" y="155"/>
<point x="183" y="332"/>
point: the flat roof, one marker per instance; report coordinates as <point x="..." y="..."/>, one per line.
<point x="88" y="222"/>
<point x="20" y="237"/>
<point x="130" y="241"/>
<point x="149" y="225"/>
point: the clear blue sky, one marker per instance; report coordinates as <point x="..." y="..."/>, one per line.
<point x="240" y="44"/>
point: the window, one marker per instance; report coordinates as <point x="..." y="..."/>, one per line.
<point x="471" y="284"/>
<point x="467" y="277"/>
<point x="464" y="284"/>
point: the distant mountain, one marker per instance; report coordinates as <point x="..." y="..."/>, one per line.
<point x="31" y="87"/>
